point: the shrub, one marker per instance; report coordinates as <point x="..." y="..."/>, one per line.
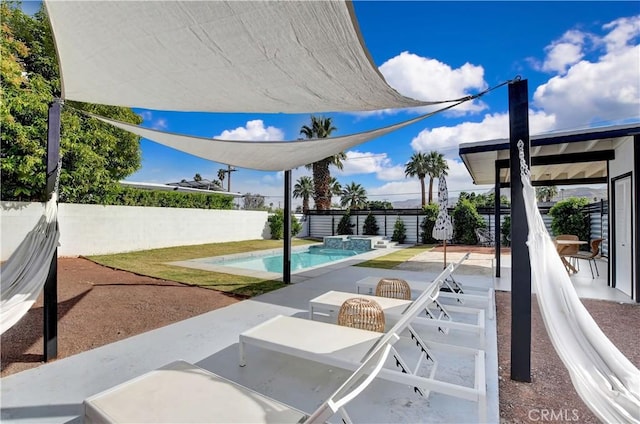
<point x="466" y="220"/>
<point x="568" y="217"/>
<point x="370" y="227"/>
<point x="399" y="231"/>
<point x="431" y="215"/>
<point x="276" y="225"/>
<point x="345" y="226"/>
<point x="505" y="231"/>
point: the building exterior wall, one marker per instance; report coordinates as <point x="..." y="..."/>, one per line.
<point x="97" y="229"/>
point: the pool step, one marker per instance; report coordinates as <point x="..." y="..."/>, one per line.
<point x="383" y="244"/>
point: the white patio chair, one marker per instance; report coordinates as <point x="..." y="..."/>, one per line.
<point x="345" y="347"/>
<point x="181" y="392"/>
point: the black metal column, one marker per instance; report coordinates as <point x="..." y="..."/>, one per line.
<point x="520" y="264"/>
<point x="286" y="235"/>
<point x="496" y="219"/>
<point x="50" y="306"/>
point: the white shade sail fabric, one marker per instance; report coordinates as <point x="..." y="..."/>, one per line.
<point x="26" y="270"/>
<point x="261" y="155"/>
<point x="218" y="56"/>
<point x="443" y="228"/>
<point x="607" y="382"/>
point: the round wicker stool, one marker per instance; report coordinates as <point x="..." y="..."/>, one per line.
<point x="361" y="313"/>
<point x="396" y="288"/>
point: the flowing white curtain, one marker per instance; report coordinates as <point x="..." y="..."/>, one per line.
<point x="607" y="382"/>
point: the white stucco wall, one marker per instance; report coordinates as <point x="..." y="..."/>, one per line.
<point x="96" y="229"/>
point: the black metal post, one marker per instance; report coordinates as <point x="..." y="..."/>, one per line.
<point x="286" y="236"/>
<point x="496" y="212"/>
<point x="520" y="264"/>
<point x="50" y="303"/>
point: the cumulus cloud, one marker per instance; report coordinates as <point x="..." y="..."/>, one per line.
<point x="604" y="90"/>
<point x="564" y="52"/>
<point x="369" y="163"/>
<point x="254" y="130"/>
<point x="494" y="126"/>
<point x="429" y="79"/>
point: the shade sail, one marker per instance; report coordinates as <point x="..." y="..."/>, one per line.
<point x="260" y="155"/>
<point x="218" y="56"/>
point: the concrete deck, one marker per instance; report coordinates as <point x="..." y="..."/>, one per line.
<point x="53" y="393"/>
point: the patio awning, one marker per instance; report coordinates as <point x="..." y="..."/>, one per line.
<point x="563" y="158"/>
<point x="218" y="56"/>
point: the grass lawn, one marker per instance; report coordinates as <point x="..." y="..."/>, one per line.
<point x="394" y="259"/>
<point x="153" y="264"/>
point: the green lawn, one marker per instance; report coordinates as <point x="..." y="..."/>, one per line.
<point x="152" y="263"/>
<point x="394" y="259"/>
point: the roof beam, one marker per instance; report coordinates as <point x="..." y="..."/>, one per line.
<point x="593" y="156"/>
<point x="547" y="183"/>
<point x="562" y="147"/>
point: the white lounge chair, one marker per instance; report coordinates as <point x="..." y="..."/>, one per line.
<point x="184" y="393"/>
<point x="345" y="347"/>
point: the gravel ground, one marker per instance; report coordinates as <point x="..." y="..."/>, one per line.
<point x="99" y="305"/>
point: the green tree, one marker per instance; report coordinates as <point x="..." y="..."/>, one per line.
<point x="465" y="222"/>
<point x="197" y="177"/>
<point x="428" y="222"/>
<point x="335" y="189"/>
<point x="417" y="167"/>
<point x="483" y="200"/>
<point x="222" y="173"/>
<point x="276" y="225"/>
<point x="354" y="196"/>
<point x="95" y="156"/>
<point x="399" y="231"/>
<point x="370" y="227"/>
<point x="345" y="226"/>
<point x="322" y="128"/>
<point x="380" y="205"/>
<point x="546" y="194"/>
<point x="253" y="201"/>
<point x="436" y="166"/>
<point x="303" y="188"/>
<point x="568" y="217"/>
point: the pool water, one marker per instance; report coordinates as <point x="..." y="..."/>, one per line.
<point x="299" y="259"/>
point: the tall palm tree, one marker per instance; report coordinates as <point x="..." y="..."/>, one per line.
<point x="545" y="194"/>
<point x="354" y="196"/>
<point x="417" y="166"/>
<point x="436" y="166"/>
<point x="322" y="127"/>
<point x="303" y="188"/>
<point x="221" y="174"/>
<point x="335" y="188"/>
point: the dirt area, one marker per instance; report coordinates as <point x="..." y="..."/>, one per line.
<point x="99" y="305"/>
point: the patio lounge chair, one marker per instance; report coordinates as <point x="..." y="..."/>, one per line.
<point x="181" y="392"/>
<point x="345" y="347"/>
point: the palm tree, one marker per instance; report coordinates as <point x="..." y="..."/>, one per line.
<point x="335" y="188"/>
<point x="303" y="188"/>
<point x="322" y="128"/>
<point x="197" y="177"/>
<point x="221" y="174"/>
<point x="436" y="166"/>
<point x="545" y="194"/>
<point x="417" y="166"/>
<point x="354" y="196"/>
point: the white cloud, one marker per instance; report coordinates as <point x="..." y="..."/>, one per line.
<point x="158" y="124"/>
<point x="369" y="163"/>
<point x="564" y="52"/>
<point x="429" y="79"/>
<point x="494" y="126"/>
<point x="605" y="90"/>
<point x="254" y="130"/>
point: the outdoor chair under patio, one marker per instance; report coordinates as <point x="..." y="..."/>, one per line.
<point x="590" y="256"/>
<point x="181" y="392"/>
<point x="345" y="347"/>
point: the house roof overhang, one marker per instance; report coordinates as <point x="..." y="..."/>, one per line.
<point x="561" y="158"/>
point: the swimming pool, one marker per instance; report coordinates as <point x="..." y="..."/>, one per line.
<point x="300" y="259"/>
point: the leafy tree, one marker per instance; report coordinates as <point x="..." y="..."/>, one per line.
<point x="505" y="231"/>
<point x="345" y="226"/>
<point x="253" y="201"/>
<point x="483" y="200"/>
<point x="221" y="175"/>
<point x="379" y="205"/>
<point x="546" y="194"/>
<point x="399" y="231"/>
<point x="303" y="188"/>
<point x="436" y="166"/>
<point x="428" y="222"/>
<point x="465" y="222"/>
<point x="417" y="166"/>
<point x="370" y="227"/>
<point x="322" y="128"/>
<point x="568" y="217"/>
<point x="95" y="156"/>
<point x="335" y="189"/>
<point x="197" y="177"/>
<point x="276" y="225"/>
<point x="354" y="196"/>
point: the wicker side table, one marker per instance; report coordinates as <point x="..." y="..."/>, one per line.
<point x="365" y="314"/>
<point x="396" y="288"/>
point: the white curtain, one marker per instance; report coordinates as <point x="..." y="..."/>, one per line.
<point x="607" y="382"/>
<point x="23" y="275"/>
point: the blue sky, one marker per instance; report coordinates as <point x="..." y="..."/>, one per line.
<point x="581" y="60"/>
